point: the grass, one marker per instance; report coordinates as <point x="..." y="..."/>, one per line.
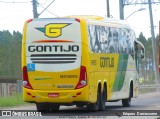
<point x="11" y="101"/>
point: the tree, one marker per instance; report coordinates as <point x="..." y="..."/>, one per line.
<point x="148" y="63"/>
<point x="10" y="54"/>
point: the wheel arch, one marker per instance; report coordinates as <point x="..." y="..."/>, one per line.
<point x="99" y="85"/>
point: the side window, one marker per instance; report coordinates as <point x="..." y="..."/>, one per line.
<point x="132" y="38"/>
<point x="104" y="39"/>
<point x="92" y="37"/>
<point x="123" y="39"/>
<point x="98" y="38"/>
<point x="126" y="39"/>
<point x="114" y="44"/>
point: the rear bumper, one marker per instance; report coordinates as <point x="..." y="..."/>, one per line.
<point x="65" y="96"/>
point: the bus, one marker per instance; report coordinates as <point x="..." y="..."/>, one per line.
<point x="79" y="60"/>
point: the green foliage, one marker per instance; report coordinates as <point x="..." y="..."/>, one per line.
<point x="10" y="54"/>
<point x="147" y="68"/>
<point x="10" y="101"/>
<point x="148" y="45"/>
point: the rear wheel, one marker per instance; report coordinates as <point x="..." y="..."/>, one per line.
<point x="42" y="107"/>
<point x="79" y="105"/>
<point x="95" y="106"/>
<point x="55" y="107"/>
<point x="127" y="102"/>
<point x="102" y="100"/>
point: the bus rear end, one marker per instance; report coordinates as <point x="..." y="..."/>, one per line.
<point x="51" y="62"/>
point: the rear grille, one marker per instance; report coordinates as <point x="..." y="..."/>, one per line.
<point x="53" y="58"/>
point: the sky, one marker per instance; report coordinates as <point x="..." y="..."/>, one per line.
<point x="13" y="15"/>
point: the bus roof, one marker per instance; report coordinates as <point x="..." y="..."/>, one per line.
<point x="91" y="18"/>
<point x="116" y="22"/>
<point x="94" y="18"/>
<point x="86" y="17"/>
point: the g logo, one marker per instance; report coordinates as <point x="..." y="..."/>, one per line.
<point x="54" y="30"/>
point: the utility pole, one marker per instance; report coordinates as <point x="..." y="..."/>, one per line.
<point x="121" y="9"/>
<point x="108" y="9"/>
<point x="35" y="13"/>
<point x="153" y="42"/>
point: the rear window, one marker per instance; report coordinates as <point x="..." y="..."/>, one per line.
<point x="53" y="44"/>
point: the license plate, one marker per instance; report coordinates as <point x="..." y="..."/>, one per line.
<point x="53" y="95"/>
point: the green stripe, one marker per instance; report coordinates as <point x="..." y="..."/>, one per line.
<point x="42" y="78"/>
<point x="121" y="72"/>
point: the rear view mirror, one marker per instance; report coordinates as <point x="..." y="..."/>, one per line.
<point x="140" y="49"/>
<point x="142" y="53"/>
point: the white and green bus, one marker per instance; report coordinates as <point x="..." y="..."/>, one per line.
<point x="79" y="60"/>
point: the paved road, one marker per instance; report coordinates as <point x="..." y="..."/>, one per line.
<point x="150" y="101"/>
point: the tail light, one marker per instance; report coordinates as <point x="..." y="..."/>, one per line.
<point x="26" y="83"/>
<point x="83" y="78"/>
<point x="78" y="20"/>
<point x="29" y="20"/>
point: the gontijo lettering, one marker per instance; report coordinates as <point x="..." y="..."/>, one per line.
<point x="53" y="48"/>
<point x="106" y="62"/>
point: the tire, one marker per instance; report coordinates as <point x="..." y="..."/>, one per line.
<point x="94" y="106"/>
<point x="79" y="105"/>
<point x="42" y="107"/>
<point x="102" y="100"/>
<point x="55" y="107"/>
<point x="127" y="102"/>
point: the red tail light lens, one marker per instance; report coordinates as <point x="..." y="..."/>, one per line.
<point x="29" y="20"/>
<point x="78" y="20"/>
<point x="26" y="83"/>
<point x="83" y="78"/>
